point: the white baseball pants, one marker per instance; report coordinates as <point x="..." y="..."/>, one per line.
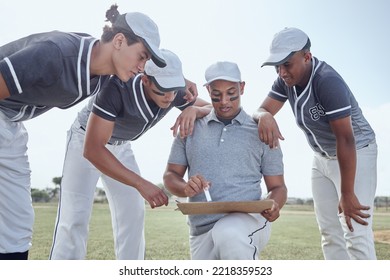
<point x="337" y="241"/>
<point x="16" y="211"/>
<point x="236" y="236"/>
<point x="78" y="186"/>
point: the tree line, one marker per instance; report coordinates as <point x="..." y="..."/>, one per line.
<point x="52" y="195"/>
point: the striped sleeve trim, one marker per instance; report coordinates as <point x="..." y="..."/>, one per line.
<point x="278" y="94"/>
<point x="339" y="110"/>
<point x="13" y="73"/>
<point x="184" y="105"/>
<point x="104" y="111"/>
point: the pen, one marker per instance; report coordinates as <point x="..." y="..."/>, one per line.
<point x="207" y="194"/>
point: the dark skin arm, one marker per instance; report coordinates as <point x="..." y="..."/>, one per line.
<point x="98" y="133"/>
<point x="346" y="153"/>
<point x="269" y="132"/>
<point x="346" y="156"/>
<point x="4" y="92"/>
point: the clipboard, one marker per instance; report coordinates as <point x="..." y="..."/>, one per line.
<point x="215" y="207"/>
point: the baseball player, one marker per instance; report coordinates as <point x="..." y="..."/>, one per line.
<point x="226" y="152"/>
<point x="344" y="168"/>
<point x="56" y="69"/>
<point x="120" y="113"/>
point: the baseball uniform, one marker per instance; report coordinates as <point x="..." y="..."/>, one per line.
<point x="127" y="106"/>
<point x="325" y="98"/>
<point x="41" y="71"/>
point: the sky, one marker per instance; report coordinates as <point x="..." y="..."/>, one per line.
<point x="350" y="35"/>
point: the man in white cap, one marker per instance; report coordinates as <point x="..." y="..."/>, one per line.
<point x="344" y="168"/>
<point x="225" y="153"/>
<point x="56" y="69"/>
<point x="120" y="113"/>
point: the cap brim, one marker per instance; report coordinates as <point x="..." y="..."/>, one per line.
<point x="158" y="61"/>
<point x="277" y="59"/>
<point x="157" y="56"/>
<point x="170" y="83"/>
<point x="225" y="78"/>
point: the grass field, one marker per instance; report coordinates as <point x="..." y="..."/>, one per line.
<point x="294" y="235"/>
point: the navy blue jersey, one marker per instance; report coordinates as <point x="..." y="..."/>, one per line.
<point x="47" y="70"/>
<point x="325" y="98"/>
<point x="127" y="106"/>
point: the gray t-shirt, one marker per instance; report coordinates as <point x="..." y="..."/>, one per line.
<point x="231" y="157"/>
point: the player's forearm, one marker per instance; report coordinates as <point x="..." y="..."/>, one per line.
<point x="258" y="113"/>
<point x="269" y="106"/>
<point x="279" y="195"/>
<point x="346" y="156"/>
<point x="109" y="165"/>
<point x="202" y="111"/>
<point x="174" y="183"/>
<point x="203" y="108"/>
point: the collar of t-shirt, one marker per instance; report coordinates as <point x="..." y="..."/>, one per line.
<point x="239" y="118"/>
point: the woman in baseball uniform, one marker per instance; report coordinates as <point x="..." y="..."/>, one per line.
<point x="99" y="146"/>
<point x="57" y="69"/>
<point x="344" y="168"/>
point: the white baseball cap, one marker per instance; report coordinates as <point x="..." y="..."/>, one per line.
<point x="284" y="44"/>
<point x="171" y="76"/>
<point x="222" y="70"/>
<point x="145" y="28"/>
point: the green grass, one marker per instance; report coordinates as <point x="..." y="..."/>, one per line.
<point x="294" y="235"/>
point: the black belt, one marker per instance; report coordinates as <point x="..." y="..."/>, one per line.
<point x="110" y="142"/>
